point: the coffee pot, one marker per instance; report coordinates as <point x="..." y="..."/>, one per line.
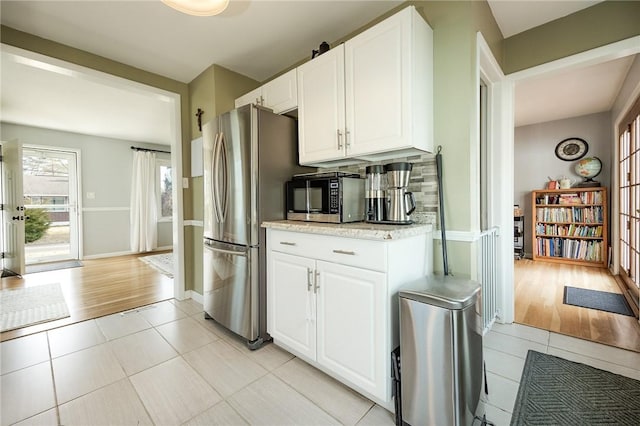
<point x="400" y="202"/>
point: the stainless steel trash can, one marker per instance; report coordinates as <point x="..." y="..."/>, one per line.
<point x="440" y="351"/>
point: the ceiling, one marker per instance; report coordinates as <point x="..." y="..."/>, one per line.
<point x="256" y="38"/>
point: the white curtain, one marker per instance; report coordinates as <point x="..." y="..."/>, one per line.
<point x="144" y="210"/>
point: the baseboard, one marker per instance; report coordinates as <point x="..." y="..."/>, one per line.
<point x="123" y="253"/>
<point x="103" y="255"/>
<point x="191" y="294"/>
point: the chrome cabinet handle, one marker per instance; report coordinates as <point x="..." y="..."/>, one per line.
<point x="316" y="286"/>
<point x="339" y="139"/>
<point x="346" y="138"/>
<point x="287" y="243"/>
<point x="309" y="278"/>
<point x="349" y="252"/>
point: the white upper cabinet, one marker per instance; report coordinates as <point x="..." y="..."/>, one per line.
<point x="321" y="119"/>
<point x="383" y="94"/>
<point x="279" y="94"/>
<point x="253" y="97"/>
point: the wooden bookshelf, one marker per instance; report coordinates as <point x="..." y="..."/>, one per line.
<point x="570" y="226"/>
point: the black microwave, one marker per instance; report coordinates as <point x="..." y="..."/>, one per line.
<point x="334" y="197"/>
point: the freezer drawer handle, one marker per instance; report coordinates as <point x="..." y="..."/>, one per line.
<point x="219" y="250"/>
<point x="287" y="243"/>
<point x="349" y="252"/>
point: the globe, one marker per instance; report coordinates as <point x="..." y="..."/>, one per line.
<point x="589" y="167"/>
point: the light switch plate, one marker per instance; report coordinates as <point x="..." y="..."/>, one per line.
<point x="185" y="183"/>
<point x="91" y="195"/>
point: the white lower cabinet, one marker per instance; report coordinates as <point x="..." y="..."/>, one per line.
<point x="332" y="302"/>
<point x="349" y="324"/>
<point x="290" y="296"/>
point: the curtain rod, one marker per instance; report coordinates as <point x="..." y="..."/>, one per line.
<point x="150" y="150"/>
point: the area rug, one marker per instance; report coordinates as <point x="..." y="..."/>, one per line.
<point x="594" y="299"/>
<point x="31" y="305"/>
<point x="53" y="266"/>
<point x="163" y="263"/>
<point x="554" y="391"/>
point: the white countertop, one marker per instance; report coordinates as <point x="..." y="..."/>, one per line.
<point x="364" y="230"/>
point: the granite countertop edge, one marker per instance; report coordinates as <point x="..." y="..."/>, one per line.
<point x="362" y="230"/>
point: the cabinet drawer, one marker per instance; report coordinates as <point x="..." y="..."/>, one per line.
<point x="346" y="251"/>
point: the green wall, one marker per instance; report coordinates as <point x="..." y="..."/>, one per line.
<point x="596" y="26"/>
<point x="214" y="91"/>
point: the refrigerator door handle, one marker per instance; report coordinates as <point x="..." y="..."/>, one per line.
<point x="218" y="169"/>
<point x="222" y="184"/>
<point x="214" y="177"/>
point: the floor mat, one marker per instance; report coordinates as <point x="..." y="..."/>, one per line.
<point x="52" y="266"/>
<point x="161" y="262"/>
<point x="31" y="305"/>
<point x="594" y="299"/>
<point x="554" y="391"/>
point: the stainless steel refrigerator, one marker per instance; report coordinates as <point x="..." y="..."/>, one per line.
<point x="249" y="154"/>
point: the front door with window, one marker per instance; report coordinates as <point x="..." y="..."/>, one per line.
<point x="50" y="186"/>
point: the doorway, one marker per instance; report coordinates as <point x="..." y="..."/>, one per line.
<point x="50" y="189"/>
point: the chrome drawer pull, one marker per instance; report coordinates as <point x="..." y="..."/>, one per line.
<point x="287" y="243"/>
<point x="350" y="253"/>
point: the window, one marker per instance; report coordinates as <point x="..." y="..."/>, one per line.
<point x="164" y="190"/>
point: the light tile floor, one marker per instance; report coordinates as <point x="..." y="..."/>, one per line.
<point x="166" y="365"/>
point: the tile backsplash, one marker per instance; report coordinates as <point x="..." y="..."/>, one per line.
<point x="423" y="183"/>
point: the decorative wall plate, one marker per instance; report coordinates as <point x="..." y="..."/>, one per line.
<point x="572" y="149"/>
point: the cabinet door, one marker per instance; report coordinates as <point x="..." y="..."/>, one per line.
<point x="377" y="84"/>
<point x="281" y="94"/>
<point x="351" y="327"/>
<point x="291" y="302"/>
<point x="321" y="107"/>
<point x="253" y="97"/>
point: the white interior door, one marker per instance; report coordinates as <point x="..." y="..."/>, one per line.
<point x="13" y="214"/>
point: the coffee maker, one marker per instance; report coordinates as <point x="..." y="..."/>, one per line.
<point x="400" y="202"/>
<point x="375" y="200"/>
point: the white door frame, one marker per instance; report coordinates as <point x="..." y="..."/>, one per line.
<point x="176" y="144"/>
<point x="500" y="175"/>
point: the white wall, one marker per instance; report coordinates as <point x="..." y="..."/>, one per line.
<point x="535" y="159"/>
<point x="628" y="91"/>
<point x="106" y="172"/>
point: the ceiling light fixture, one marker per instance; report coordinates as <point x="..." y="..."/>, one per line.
<point x="198" y="7"/>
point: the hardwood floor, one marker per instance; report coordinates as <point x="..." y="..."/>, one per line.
<point x="539" y="288"/>
<point x="101" y="287"/>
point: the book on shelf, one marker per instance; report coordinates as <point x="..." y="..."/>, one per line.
<point x="590" y="214"/>
<point x="570" y="198"/>
<point x="587" y="250"/>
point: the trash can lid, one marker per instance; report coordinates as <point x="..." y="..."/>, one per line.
<point x="444" y="291"/>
